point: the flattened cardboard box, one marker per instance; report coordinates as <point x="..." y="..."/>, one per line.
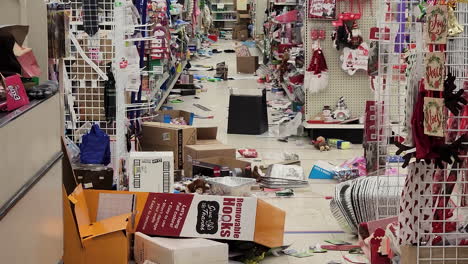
<point x="167" y="137"/>
<point x="212" y="217"/>
<point x="195" y="152"/>
<point x="179" y="250"/>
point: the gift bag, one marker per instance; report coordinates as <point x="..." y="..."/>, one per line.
<point x="316" y="76"/>
<point x="95" y="147"/>
<point x="30" y="67"/>
<point x="16" y="95"/>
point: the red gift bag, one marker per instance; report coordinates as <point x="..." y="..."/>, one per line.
<point x="29" y="65"/>
<point x="16" y="95"/>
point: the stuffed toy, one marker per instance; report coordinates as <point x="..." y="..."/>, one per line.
<point x="321" y="144"/>
<point x="198" y="186"/>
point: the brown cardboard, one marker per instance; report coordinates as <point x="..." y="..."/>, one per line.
<point x="207" y="135"/>
<point x="409" y="255"/>
<point x="86" y="241"/>
<point x="243" y="35"/>
<point x="226" y="164"/>
<point x="173" y="114"/>
<point x="195" y="152"/>
<point x="236" y="30"/>
<point x="247" y="64"/>
<point x="167" y="137"/>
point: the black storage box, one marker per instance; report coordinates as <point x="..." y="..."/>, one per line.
<point x="97" y="177"/>
<point x="248" y="114"/>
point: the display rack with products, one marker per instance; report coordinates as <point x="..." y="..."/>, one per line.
<point x="224" y="14"/>
<point x="355" y="89"/>
<point x="283" y="49"/>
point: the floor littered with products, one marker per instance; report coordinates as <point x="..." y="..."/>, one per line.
<point x="308" y="217"/>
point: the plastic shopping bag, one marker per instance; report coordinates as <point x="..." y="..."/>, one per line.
<point x="95" y="147"/>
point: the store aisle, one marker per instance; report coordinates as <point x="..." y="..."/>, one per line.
<point x="308" y="218"/>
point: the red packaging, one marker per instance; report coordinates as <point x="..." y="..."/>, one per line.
<point x="248" y="153"/>
<point x="16" y="95"/>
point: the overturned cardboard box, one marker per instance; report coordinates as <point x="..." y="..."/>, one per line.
<point x="220" y="167"/>
<point x="213" y="217"/>
<point x="179" y="251"/>
<point x="167" y="137"/>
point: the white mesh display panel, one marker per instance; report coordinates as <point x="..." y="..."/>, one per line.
<point x="87" y="86"/>
<point x="356" y="89"/>
<point x="441" y="199"/>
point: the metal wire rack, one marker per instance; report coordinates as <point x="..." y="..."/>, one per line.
<point x="438" y="222"/>
<point x="86" y="83"/>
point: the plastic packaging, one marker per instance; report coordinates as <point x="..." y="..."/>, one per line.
<point x="231" y="186"/>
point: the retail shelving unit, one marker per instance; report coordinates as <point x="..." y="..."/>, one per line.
<point x="224" y="14"/>
<point x="355" y="89"/>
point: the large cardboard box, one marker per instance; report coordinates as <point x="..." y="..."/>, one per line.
<point x="212" y="217"/>
<point x="167" y="137"/>
<point x="247" y="64"/>
<point x="219" y="166"/>
<point x="179" y="251"/>
<point x="89" y="241"/>
<point x="195" y="152"/>
<point x="243" y="35"/>
<point x="165" y="116"/>
<point x="207" y="135"/>
<point x="151" y="171"/>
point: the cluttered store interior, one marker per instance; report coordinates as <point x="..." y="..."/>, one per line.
<point x="234" y="131"/>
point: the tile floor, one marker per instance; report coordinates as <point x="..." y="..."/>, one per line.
<point x="308" y="218"/>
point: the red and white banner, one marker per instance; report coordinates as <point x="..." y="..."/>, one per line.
<point x="186" y="215"/>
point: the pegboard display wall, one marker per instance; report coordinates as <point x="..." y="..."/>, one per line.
<point x="87" y="82"/>
<point x="356" y="89"/>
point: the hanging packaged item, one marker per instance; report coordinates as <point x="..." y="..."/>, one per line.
<point x="434" y="119"/>
<point x="435" y="71"/>
<point x="95" y="147"/>
<point x="355" y="59"/>
<point x="30" y="67"/>
<point x="16" y="95"/>
<point x="316" y="76"/>
<point x="436" y="27"/>
<point x="322" y="9"/>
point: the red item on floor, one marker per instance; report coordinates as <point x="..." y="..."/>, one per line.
<point x="248" y="153"/>
<point x="213" y="38"/>
<point x="339" y="247"/>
